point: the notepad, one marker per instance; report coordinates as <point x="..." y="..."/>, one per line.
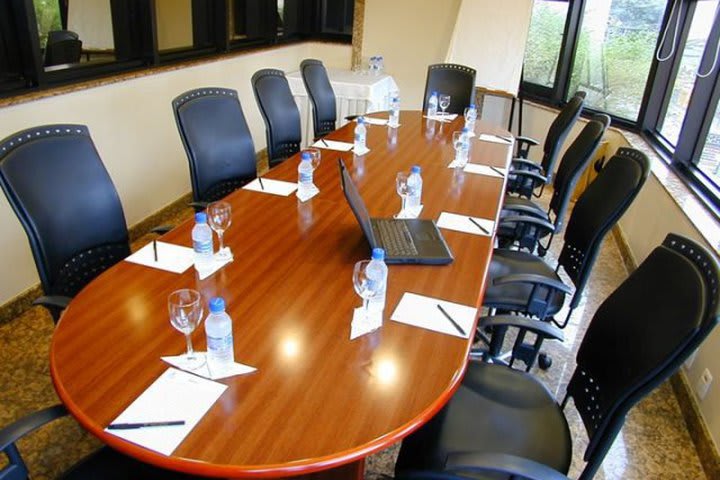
<point x="484" y="137"/>
<point x="375" y="121"/>
<point x="487" y="170"/>
<point x="218" y="263"/>
<point x="305" y="196"/>
<point x="205" y="370"/>
<point x="171" y="258"/>
<point x="333" y="145"/>
<point x="175" y="395"/>
<point x="361" y="151"/>
<point x="360" y="326"/>
<point x="421" y="311"/>
<point x="273" y="187"/>
<point x="462" y="223"/>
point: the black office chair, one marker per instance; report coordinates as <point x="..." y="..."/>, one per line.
<point x="106" y="463"/>
<point x="523" y="222"/>
<point x="521" y="282"/>
<point x="217" y="141"/>
<point x="280" y="113"/>
<point x="557" y="133"/>
<point x="321" y="95"/>
<point x="638" y="337"/>
<point x="63" y="46"/>
<point x="65" y="200"/>
<point x="458" y="81"/>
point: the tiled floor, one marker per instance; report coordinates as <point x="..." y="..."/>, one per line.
<point x="654" y="444"/>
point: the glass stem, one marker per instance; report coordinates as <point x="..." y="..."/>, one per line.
<point x="402" y="208"/>
<point x="366" y="307"/>
<point x="220" y="240"/>
<point x="188" y="341"/>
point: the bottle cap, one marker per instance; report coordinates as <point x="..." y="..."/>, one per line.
<point x="472" y="105"/>
<point x="200" y="217"/>
<point x="217" y="305"/>
<point x="378" y="254"/>
<point x="434" y="92"/>
<point x="465" y="130"/>
<point x="415" y="169"/>
<point x="305" y="156"/>
<point x="361" y="120"/>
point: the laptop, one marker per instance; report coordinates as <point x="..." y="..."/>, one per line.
<point x="404" y="240"/>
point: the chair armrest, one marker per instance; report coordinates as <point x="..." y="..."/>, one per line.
<point x="521" y="164"/>
<point x="523" y="145"/>
<point x="162" y="229"/>
<point x="528" y="220"/>
<point x="468" y="463"/>
<point x="545" y="329"/>
<point x="199" y="205"/>
<point x="56" y="301"/>
<point x="18" y="429"/>
<point x="523" y="139"/>
<point x="534" y="279"/>
<point x="520" y="208"/>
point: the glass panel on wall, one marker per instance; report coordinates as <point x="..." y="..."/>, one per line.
<point x="74" y="32"/>
<point x="544" y="41"/>
<point x="174" y="24"/>
<point x="614" y="53"/>
<point x="682" y="87"/>
<point x="248" y="20"/>
<point x="337" y="16"/>
<point x="709" y="161"/>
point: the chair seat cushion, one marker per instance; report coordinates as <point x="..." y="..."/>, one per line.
<point x="515" y="296"/>
<point x="107" y="464"/>
<point x="495" y="410"/>
<point x="506" y="230"/>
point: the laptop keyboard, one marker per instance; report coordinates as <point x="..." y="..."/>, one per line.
<point x="395" y="238"/>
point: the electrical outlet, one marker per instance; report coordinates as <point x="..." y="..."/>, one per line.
<point x="703" y="384"/>
<point x="690" y="360"/>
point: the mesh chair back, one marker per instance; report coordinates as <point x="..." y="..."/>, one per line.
<point x="217" y="141"/>
<point x="280" y="113"/>
<point x="558" y="132"/>
<point x="458" y="81"/>
<point x="321" y="96"/>
<point x="599" y="207"/>
<point x="63" y="46"/>
<point x="573" y="164"/>
<point x="641" y="335"/>
<point x="66" y="202"/>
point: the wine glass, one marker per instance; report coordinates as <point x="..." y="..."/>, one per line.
<point x="401" y="185"/>
<point x="185" y="309"/>
<point x="444" y="102"/>
<point x="314" y="156"/>
<point x="219" y="217"/>
<point x="366" y="287"/>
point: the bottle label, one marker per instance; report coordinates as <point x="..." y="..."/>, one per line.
<point x="202" y="246"/>
<point x="221" y="345"/>
<point x="306" y="177"/>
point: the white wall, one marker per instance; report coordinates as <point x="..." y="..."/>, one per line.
<point x="410" y="35"/>
<point x="132" y="125"/>
<point x="653" y="215"/>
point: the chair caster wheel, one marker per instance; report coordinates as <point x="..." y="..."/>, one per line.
<point x="544" y="362"/>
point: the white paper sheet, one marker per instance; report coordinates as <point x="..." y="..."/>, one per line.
<point x="360" y="326"/>
<point x="175" y="395"/>
<point x="204" y="370"/>
<point x="411" y="212"/>
<point x="442" y="118"/>
<point x="375" y="121"/>
<point x="484" y="137"/>
<point x="217" y="265"/>
<point x="485" y="170"/>
<point x="333" y="145"/>
<point x="361" y="151"/>
<point x="274" y="187"/>
<point x="421" y="311"/>
<point x="171" y="258"/>
<point x="307" y="195"/>
<point x="462" y="223"/>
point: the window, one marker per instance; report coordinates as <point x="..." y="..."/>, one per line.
<point x="337" y="16"/>
<point x="545" y="40"/>
<point x="709" y="162"/>
<point x="614" y="52"/>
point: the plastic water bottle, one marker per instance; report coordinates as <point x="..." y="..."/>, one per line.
<point x="432" y="105"/>
<point x="465" y="145"/>
<point x="470" y="117"/>
<point x="414" y="189"/>
<point x="218" y="330"/>
<point x="360" y="135"/>
<point x="394" y="119"/>
<point x="305" y="174"/>
<point x="202" y="239"/>
<point x="377" y="273"/>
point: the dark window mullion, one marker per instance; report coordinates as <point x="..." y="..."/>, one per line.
<point x="567" y="52"/>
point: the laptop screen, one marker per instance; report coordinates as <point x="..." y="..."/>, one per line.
<point x="357" y="205"/>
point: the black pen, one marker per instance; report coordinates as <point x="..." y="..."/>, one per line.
<point x="507" y="139"/>
<point x="131" y="426"/>
<point x="447" y="315"/>
<point x="155" y="249"/>
<point x="262" y="187"/>
<point x="479" y="226"/>
<point x="324" y="142"/>
<point x="497" y="171"/>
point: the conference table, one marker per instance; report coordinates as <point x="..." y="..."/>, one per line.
<point x="318" y="403"/>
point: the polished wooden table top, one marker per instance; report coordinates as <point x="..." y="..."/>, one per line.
<point x="318" y="400"/>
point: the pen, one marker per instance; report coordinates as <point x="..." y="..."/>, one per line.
<point x="155" y="249"/>
<point x="324" y="142"/>
<point x="479" y="226"/>
<point x="499" y="172"/>
<point x="131" y="426"/>
<point x="262" y="187"/>
<point x="447" y="315"/>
